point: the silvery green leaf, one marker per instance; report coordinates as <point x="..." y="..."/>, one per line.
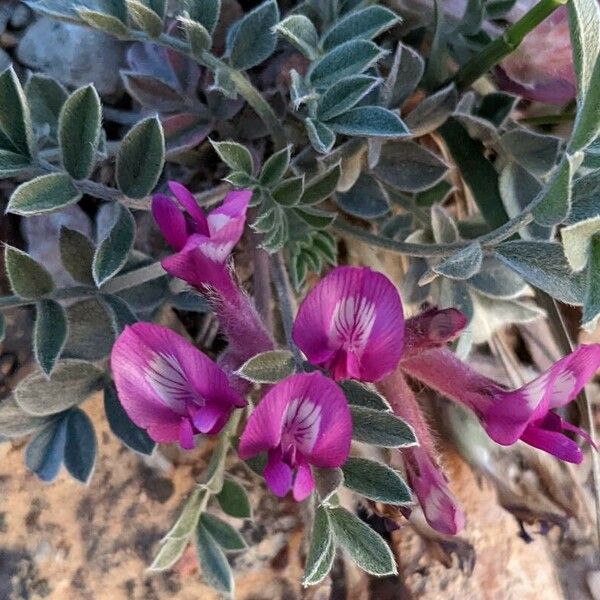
<point x="233" y="500"/>
<point x="107" y="23"/>
<point x="369" y="121"/>
<point x="275" y="167"/>
<point x="407" y="166"/>
<point x="12" y="164"/>
<point x="170" y="552"/>
<point x="443" y="226"/>
<point x="152" y="92"/>
<point x="366" y="199"/>
<point x="15" y="115"/>
<point x="405" y="74"/>
<point x="141" y="158"/>
<point x="436" y="70"/>
<point x="359" y="394"/>
<point x="213" y="563"/>
<point x="113" y="250"/>
<point x="79" y="129"/>
<point x="77" y="255"/>
<point x="189" y="516"/>
<point x="122" y="426"/>
<point x="289" y="191"/>
<point x="497" y="281"/>
<point x="254" y="38"/>
<point x="327" y="482"/>
<point x="268" y="367"/>
<point x="591" y="303"/>
<point x="375" y="481"/>
<point x="432" y="112"/>
<point x="380" y="428"/>
<point x="361" y="24"/>
<point x="319" y="219"/>
<point x="463" y="264"/>
<point x="365" y="547"/>
<point x="518" y="188"/>
<point x="44" y="194"/>
<point x="239" y="179"/>
<point x="321" y="137"/>
<point x="224" y="534"/>
<point x="534" y="152"/>
<point x="478" y="128"/>
<point x="15" y="422"/>
<point x="497" y="107"/>
<point x="576" y="240"/>
<point x="321" y="551"/>
<point x="72" y="382"/>
<point x="44" y="453"/>
<point x="235" y="156"/>
<point x="28" y="279"/>
<point x="148" y="15"/>
<point x="434" y="195"/>
<point x="584" y="16"/>
<point x="555" y="203"/>
<point x="300" y="92"/>
<point x="543" y="265"/>
<point x="91" y="330"/>
<point x="321" y="186"/>
<point x="344" y="94"/>
<point x="50" y="333"/>
<point x="197" y="35"/>
<point x="224" y="84"/>
<point x="81" y="446"/>
<point x="301" y="33"/>
<point x="45" y="97"/>
<point x="351" y="58"/>
<point x="120" y="312"/>
<point x="206" y="12"/>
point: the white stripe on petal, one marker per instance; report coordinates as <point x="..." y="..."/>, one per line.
<point x="353" y="320"/>
<point x="216" y="252"/>
<point x="167" y="378"/>
<point x="563" y="388"/>
<point x="217" y="222"/>
<point x="301" y="424"/>
<point x="534" y="392"/>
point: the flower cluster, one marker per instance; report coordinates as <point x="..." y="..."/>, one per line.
<point x="351" y="326"/>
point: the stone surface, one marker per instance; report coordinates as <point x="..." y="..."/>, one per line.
<point x="74" y="55"/>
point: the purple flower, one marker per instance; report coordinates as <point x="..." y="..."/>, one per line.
<point x="526" y="413"/>
<point x="168" y="387"/>
<point x="352" y="324"/>
<point x="303" y="420"/>
<point x="215" y="234"/>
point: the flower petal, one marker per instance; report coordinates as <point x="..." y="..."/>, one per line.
<point x="170" y="221"/>
<point x="304" y="483"/>
<point x="188" y="201"/>
<point x="186" y="434"/>
<point x="278" y="475"/>
<point x="431" y="329"/>
<point x="358" y="311"/>
<point x="553" y="442"/>
<point x="227" y="222"/>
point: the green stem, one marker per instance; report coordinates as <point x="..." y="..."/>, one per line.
<point x="501" y="47"/>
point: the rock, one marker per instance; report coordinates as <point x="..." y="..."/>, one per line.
<point x="74" y="55"/>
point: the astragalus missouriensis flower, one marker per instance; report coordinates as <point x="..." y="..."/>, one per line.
<point x="304" y="420"/>
<point x="169" y="387"/>
<point x="352" y="324"/>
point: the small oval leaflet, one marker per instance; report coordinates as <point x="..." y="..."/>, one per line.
<point x="268" y="367"/>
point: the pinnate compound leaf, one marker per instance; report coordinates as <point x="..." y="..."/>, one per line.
<point x="375" y="481"/>
<point x="189" y="516"/>
<point x="224" y="534"/>
<point x="170" y="552"/>
<point x="45" y="98"/>
<point x="122" y="426"/>
<point x="321" y="551"/>
<point x="321" y="187"/>
<point x="77" y="255"/>
<point x="350" y="58"/>
<point x="141" y="158"/>
<point x="543" y="265"/>
<point x="46" y="193"/>
<point x="268" y="367"/>
<point x="360" y="395"/>
<point x="15" y="115"/>
<point x="366" y="199"/>
<point x="72" y="382"/>
<point x="380" y="428"/>
<point x="28" y="278"/>
<point x="199" y="38"/>
<point x="289" y="191"/>
<point x="235" y="156"/>
<point x="254" y="38"/>
<point x="206" y="12"/>
<point x="301" y="33"/>
<point x="81" y="446"/>
<point x="321" y="137"/>
<point x="345" y="94"/>
<point x="234" y="500"/>
<point x="369" y="121"/>
<point x="148" y="15"/>
<point x="112" y="25"/>
<point x="463" y="264"/>
<point x="213" y="562"/>
<point x="45" y="452"/>
<point x="79" y="130"/>
<point x="361" y="24"/>
<point x="50" y="334"/>
<point x="113" y="251"/>
<point x="275" y="167"/>
<point x="364" y="546"/>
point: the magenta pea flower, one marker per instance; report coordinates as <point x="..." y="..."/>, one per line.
<point x="527" y="413"/>
<point x="169" y="387"/>
<point x="216" y="233"/>
<point x="303" y="420"/>
<point x="352" y="324"/>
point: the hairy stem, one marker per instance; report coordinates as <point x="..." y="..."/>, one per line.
<point x="501" y="47"/>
